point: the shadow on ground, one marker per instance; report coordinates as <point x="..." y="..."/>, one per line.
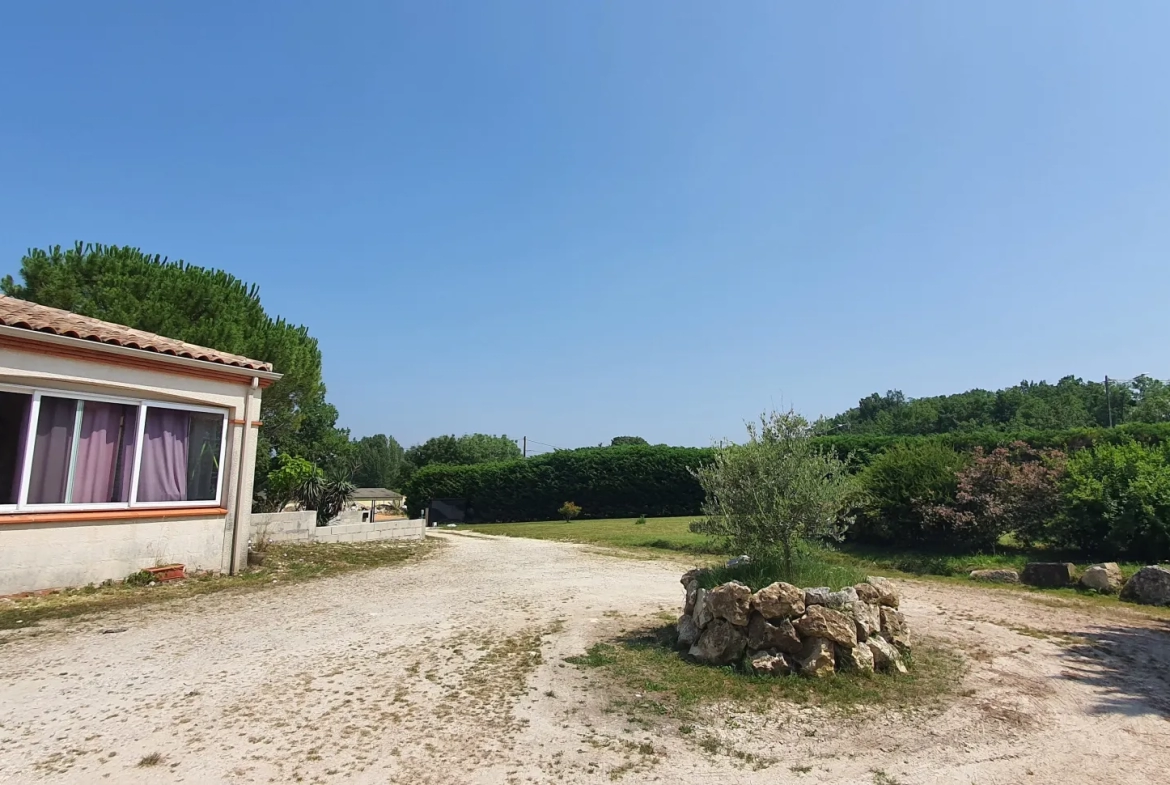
<point x="1130" y="666"/>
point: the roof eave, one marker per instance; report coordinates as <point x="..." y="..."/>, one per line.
<point x="114" y="350"/>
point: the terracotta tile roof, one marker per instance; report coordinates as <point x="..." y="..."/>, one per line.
<point x="41" y="318"/>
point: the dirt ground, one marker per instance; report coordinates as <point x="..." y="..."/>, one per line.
<point x="451" y="670"/>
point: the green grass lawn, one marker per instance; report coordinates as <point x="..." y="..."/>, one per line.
<point x="670" y="534"/>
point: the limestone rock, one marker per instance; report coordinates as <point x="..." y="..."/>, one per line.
<point x="895" y="629"/>
<point x="867" y="619"/>
<point x="886" y="656"/>
<point x="887" y="592"/>
<point x="1048" y="574"/>
<point x="816" y="658"/>
<point x="731" y="602"/>
<point x="867" y="592"/>
<point x="769" y="663"/>
<point x="821" y="622"/>
<point x="688" y="631"/>
<point x="693" y="575"/>
<point x="779" y="635"/>
<point x="692" y="595"/>
<point x="818" y="596"/>
<point x="702" y="613"/>
<point x="842" y="599"/>
<point x="1105" y="578"/>
<point x="858" y="658"/>
<point x="995" y="576"/>
<point x="779" y="601"/>
<point x="720" y="644"/>
<point x="1148" y="586"/>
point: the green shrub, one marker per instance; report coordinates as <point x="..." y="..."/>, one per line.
<point x="140" y="578"/>
<point x="608" y="482"/>
<point x="1116" y="502"/>
<point x="569" y="511"/>
<point x="900" y="486"/>
<point x="811" y="566"/>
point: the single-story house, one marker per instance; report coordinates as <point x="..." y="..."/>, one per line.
<point x="119" y="450"/>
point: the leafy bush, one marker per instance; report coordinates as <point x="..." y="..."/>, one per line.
<point x="768" y="496"/>
<point x="327" y="495"/>
<point x="608" y="482"/>
<point x="901" y="485"/>
<point x="569" y="511"/>
<point x="284" y="483"/>
<point x="1116" y="502"/>
<point x="1012" y="490"/>
<point x="810" y="566"/>
<point x="139" y="578"/>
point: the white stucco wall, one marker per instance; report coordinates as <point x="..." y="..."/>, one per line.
<point x="54" y="555"/>
<point x="48" y="556"/>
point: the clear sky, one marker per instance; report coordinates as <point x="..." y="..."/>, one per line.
<point x="580" y="220"/>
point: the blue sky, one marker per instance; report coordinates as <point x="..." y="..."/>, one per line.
<point x="580" y="220"/>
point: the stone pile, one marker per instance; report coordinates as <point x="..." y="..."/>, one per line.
<point x="782" y="629"/>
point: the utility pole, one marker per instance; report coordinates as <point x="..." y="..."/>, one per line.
<point x="1108" y="403"/>
<point x="525" y="446"/>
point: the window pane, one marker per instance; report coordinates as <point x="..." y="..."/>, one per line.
<point x="52" y="451"/>
<point x="87" y="466"/>
<point x="14" y="411"/>
<point x="180" y="456"/>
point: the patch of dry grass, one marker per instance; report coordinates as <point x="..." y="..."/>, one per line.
<point x="286" y="563"/>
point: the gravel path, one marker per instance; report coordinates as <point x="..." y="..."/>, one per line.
<point x="450" y="670"/>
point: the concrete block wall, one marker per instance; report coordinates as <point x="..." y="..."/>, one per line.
<point x="302" y="527"/>
<point x="297" y="526"/>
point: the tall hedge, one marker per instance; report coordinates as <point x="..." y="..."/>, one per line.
<point x="607" y="482"/>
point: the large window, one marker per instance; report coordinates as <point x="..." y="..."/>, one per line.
<point x="58" y="450"/>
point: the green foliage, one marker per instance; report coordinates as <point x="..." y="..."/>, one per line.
<point x="378" y="461"/>
<point x="628" y="441"/>
<point x="466" y="450"/>
<point x="284" y="483"/>
<point x="608" y="482"/>
<point x="768" y="496"/>
<point x="1028" y="406"/>
<point x="327" y="495"/>
<point x="569" y="511"/>
<point x="898" y="486"/>
<point x="1117" y="502"/>
<point x="641" y="521"/>
<point x="140" y="578"/>
<point x="811" y="566"/>
<point x="202" y="306"/>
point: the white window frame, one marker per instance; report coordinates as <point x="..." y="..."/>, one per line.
<point x="142" y="404"/>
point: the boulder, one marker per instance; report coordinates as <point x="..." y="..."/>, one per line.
<point x="821" y="622"/>
<point x="731" y="602"/>
<point x="693" y="575"/>
<point x="779" y="601"/>
<point x="887" y="592"/>
<point x="721" y="643"/>
<point x="769" y="663"/>
<point x="858" y="658"/>
<point x="867" y="592"/>
<point x="779" y="635"/>
<point x="886" y="656"/>
<point x="816" y="658"/>
<point x="1048" y="574"/>
<point x="1105" y="578"/>
<point x="995" y="576"/>
<point x="895" y="629"/>
<point x="818" y="596"/>
<point x="739" y="561"/>
<point x="842" y="599"/>
<point x="702" y="612"/>
<point x="688" y="631"/>
<point x="867" y="619"/>
<point x="692" y="595"/>
<point x="1148" y="586"/>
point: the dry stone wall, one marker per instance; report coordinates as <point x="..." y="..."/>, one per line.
<point x="782" y="629"/>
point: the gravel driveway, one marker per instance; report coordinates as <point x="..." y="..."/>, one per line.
<point x="450" y="669"/>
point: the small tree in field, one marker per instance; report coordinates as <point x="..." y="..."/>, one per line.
<point x="569" y="511"/>
<point x="776" y="491"/>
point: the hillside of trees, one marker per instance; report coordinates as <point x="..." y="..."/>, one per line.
<point x="1025" y="407"/>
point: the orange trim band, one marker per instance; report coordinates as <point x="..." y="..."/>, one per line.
<point x="112" y="515"/>
<point x="238" y="422"/>
<point x="256" y="423"/>
<point x="78" y="353"/>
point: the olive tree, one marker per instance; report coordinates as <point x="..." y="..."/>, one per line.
<point x="769" y="495"/>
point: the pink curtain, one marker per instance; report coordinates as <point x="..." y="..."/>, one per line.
<point x="129" y="437"/>
<point x="19" y="436"/>
<point x="50" y="464"/>
<point x="163" y="476"/>
<point x="94" y="479"/>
